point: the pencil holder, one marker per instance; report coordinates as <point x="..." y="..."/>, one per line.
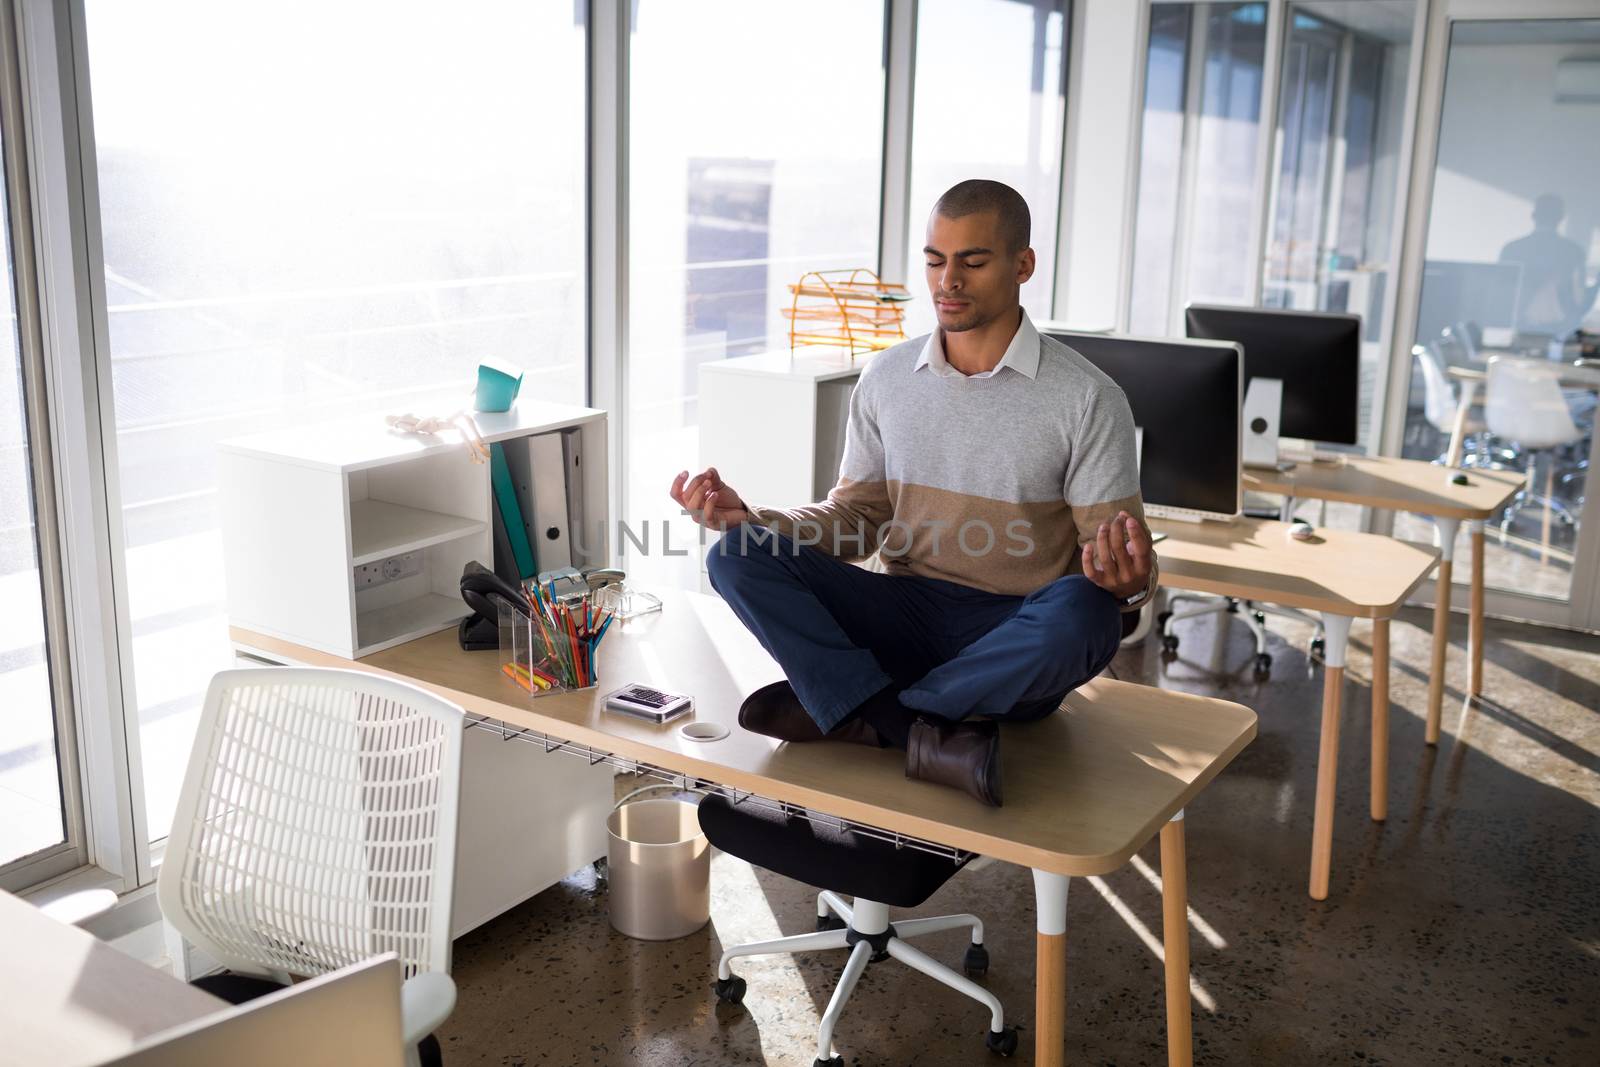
<point x="540" y="660"/>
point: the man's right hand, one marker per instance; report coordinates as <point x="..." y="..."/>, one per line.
<point x="709" y="500"/>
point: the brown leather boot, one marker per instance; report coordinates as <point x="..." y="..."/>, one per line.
<point x="962" y="755"/>
<point x="775" y="711"/>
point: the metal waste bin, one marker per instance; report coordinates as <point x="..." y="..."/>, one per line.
<point x="658" y="866"/>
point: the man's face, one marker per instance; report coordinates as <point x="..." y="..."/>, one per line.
<point x="972" y="276"/>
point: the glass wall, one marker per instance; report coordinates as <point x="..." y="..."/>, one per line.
<point x="344" y="216"/>
<point x="1509" y="284"/>
<point x="1197" y="163"/>
<point x="1335" y="169"/>
<point x="1005" y="126"/>
<point x="748" y="166"/>
<point x="30" y="775"/>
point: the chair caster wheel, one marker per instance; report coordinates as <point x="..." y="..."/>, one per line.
<point x="831" y="1061"/>
<point x="1004" y="1043"/>
<point x="1263" y="665"/>
<point x="1162" y="618"/>
<point x="829" y="921"/>
<point x="976" y="962"/>
<point x="1169" y="644"/>
<point x="1318" y="646"/>
<point x="730" y="990"/>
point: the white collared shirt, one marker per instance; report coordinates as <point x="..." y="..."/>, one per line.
<point x="1021" y="355"/>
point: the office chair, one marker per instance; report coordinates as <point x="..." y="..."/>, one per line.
<point x="1525" y="406"/>
<point x="316" y="828"/>
<point x="879" y="876"/>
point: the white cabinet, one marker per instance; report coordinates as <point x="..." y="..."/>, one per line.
<point x="774" y="426"/>
<point x="348" y="538"/>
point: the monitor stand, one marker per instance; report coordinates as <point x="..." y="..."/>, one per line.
<point x="1263" y="410"/>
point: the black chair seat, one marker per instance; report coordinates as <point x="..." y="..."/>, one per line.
<point x="822" y="856"/>
<point x="243" y="988"/>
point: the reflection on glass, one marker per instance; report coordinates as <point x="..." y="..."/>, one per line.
<point x="30" y="779"/>
<point x="1203" y="85"/>
<point x="343" y="210"/>
<point x="748" y="167"/>
<point x="1509" y="284"/>
<point x="1005" y="126"/>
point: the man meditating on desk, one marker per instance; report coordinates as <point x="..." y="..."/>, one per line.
<point x="993" y="470"/>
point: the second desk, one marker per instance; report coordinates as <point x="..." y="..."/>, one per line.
<point x="1341" y="575"/>
<point x="1424" y="489"/>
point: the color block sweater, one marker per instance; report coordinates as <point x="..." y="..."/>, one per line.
<point x="992" y="481"/>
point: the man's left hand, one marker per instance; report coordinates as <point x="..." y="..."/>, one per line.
<point x="1118" y="560"/>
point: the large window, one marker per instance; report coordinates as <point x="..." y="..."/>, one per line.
<point x="1005" y="125"/>
<point x="1333" y="169"/>
<point x="755" y="155"/>
<point x="1197" y="163"/>
<point x="311" y="210"/>
<point x="1340" y="115"/>
<point x="30" y="772"/>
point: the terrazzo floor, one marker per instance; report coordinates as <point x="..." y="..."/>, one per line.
<point x="1465" y="930"/>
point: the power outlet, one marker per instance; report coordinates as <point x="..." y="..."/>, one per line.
<point x="405" y="565"/>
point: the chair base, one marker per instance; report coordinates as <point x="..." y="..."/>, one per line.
<point x="864" y="929"/>
<point x="1254" y="616"/>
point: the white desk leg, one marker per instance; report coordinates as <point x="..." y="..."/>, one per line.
<point x="1445" y="532"/>
<point x="1050" y="969"/>
<point x="1175" y="942"/>
<point x="1336" y="630"/>
<point x="1475" y="616"/>
<point x="1458" y="432"/>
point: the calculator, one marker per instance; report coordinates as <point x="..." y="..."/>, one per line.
<point x="652" y="705"/>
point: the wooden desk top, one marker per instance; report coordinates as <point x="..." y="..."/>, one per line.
<point x="67" y="998"/>
<point x="1398" y="484"/>
<point x="1084" y="788"/>
<point x="1340" y="571"/>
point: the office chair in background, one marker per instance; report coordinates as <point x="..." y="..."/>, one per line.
<point x="879" y="876"/>
<point x="1525" y="406"/>
<point x="316" y="828"/>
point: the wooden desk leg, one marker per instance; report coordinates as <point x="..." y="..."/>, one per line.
<point x="1458" y="432"/>
<point x="1336" y="637"/>
<point x="1050" y="969"/>
<point x="1380" y="719"/>
<point x="1445" y="530"/>
<point x="1175" y="943"/>
<point x="1475" y="617"/>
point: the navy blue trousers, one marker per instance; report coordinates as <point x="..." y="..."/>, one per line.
<point x="842" y="633"/>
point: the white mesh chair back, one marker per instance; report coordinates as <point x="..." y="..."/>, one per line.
<point x="316" y="826"/>
<point x="1525" y="405"/>
<point x="1438" y="397"/>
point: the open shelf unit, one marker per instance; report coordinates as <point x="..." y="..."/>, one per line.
<point x="350" y="537"/>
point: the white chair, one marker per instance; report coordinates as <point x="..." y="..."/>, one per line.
<point x="1441" y="403"/>
<point x="316" y="828"/>
<point x="1525" y="406"/>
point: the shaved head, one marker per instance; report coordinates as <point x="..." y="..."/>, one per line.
<point x="979" y="195"/>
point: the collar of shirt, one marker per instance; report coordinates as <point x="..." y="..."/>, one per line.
<point x="1021" y="355"/>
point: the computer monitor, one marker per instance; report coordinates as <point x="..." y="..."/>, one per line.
<point x="1185" y="397"/>
<point x="1315" y="354"/>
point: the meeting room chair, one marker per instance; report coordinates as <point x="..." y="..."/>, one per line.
<point x="316" y="828"/>
<point x="1440" y="405"/>
<point x="1526" y="407"/>
<point x="878" y="875"/>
